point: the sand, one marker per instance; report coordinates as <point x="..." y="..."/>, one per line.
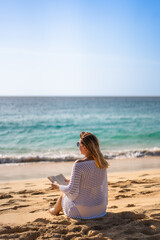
<point x="10" y="172"/>
<point x="133" y="210"/>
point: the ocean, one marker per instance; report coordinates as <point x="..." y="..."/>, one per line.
<point x="34" y="129"/>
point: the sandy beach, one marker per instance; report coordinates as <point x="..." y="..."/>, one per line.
<point x="133" y="210"/>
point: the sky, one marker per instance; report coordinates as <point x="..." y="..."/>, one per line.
<point x="79" y="48"/>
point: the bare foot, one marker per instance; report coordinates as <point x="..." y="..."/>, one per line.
<point x="52" y="211"/>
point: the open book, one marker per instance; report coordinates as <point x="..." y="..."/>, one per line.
<point x="60" y="179"/>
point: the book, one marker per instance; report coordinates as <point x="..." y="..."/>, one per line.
<point x="60" y="179"/>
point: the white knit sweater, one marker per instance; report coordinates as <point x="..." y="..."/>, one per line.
<point x="86" y="196"/>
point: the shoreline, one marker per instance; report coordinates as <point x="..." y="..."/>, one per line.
<point x="73" y="156"/>
<point x="133" y="210"/>
<point x="44" y="169"/>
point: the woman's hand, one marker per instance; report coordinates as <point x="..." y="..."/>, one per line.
<point x="55" y="186"/>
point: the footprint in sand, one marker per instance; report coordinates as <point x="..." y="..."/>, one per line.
<point x="4" y="196"/>
<point x="114" y="206"/>
<point x="23" y="191"/>
<point x="14" y="208"/>
<point x="125" y="186"/>
<point x="37" y="193"/>
<point x="10" y="201"/>
<point x="125" y="190"/>
<point x="114" y="185"/>
<point x="23" y="200"/>
<point x="122" y="196"/>
<point x="130" y="205"/>
<point x="146" y="192"/>
<point x="21" y="206"/>
<point x="34" y="211"/>
<point x="24" y="196"/>
<point x="5" y="204"/>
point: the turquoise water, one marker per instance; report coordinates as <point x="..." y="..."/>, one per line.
<point x="40" y="128"/>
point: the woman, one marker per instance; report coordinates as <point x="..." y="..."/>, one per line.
<point x="86" y="195"/>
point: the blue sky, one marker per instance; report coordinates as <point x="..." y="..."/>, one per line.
<point x="72" y="48"/>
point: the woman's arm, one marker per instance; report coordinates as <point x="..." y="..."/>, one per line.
<point x="72" y="190"/>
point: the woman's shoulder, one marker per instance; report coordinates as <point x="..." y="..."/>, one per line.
<point x="78" y="164"/>
<point x="79" y="160"/>
<point x="83" y="160"/>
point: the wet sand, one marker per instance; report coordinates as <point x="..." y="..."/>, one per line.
<point x="133" y="210"/>
<point x="39" y="170"/>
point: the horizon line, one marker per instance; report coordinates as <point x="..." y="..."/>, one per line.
<point x="118" y="96"/>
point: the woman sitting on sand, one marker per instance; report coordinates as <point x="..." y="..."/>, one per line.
<point x="86" y="195"/>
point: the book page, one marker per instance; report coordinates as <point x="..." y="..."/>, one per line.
<point x="52" y="179"/>
<point x="60" y="179"/>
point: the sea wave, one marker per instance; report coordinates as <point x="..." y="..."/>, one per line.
<point x="133" y="154"/>
<point x="11" y="159"/>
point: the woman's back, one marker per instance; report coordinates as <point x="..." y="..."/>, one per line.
<point x="93" y="187"/>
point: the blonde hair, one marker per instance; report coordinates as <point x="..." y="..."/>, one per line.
<point x="91" y="142"/>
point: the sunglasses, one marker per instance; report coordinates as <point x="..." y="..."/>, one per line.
<point x="78" y="144"/>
